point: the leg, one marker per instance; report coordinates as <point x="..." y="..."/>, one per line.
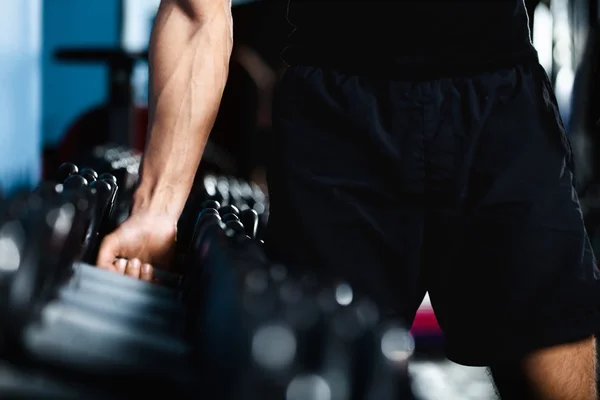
<point x="518" y="288"/>
<point x="558" y="372"/>
<point x="336" y="207"/>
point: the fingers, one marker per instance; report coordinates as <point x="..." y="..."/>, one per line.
<point x="147" y="272"/>
<point x="110" y="259"/>
<point x="120" y="266"/>
<point x="134" y="268"/>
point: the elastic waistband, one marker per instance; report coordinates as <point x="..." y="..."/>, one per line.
<point x="389" y="67"/>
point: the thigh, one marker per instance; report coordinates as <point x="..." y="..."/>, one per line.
<point x="336" y="207"/>
<point x="519" y="272"/>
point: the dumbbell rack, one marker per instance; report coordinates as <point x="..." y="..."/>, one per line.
<point x="234" y="326"/>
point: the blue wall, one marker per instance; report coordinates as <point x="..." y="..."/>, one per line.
<point x="70" y="89"/>
<point x="20" y="47"/>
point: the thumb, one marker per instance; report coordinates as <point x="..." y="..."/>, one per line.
<point x="109" y="250"/>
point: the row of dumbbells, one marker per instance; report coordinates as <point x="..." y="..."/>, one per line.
<point x="97" y="333"/>
<point x="276" y="335"/>
<point x="103" y="189"/>
<point x="279" y="333"/>
<point x="108" y="322"/>
<point x="242" y="199"/>
<point x="123" y="163"/>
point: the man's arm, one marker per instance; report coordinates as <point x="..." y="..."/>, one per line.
<point x="189" y="55"/>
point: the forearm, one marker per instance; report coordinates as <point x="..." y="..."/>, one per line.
<point x="189" y="60"/>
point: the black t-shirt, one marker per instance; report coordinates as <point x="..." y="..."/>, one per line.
<point x="413" y="37"/>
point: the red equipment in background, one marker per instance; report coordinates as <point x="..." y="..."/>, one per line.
<point x="118" y="121"/>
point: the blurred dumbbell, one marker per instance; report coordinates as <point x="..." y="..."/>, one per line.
<point x="89" y="174"/>
<point x="391" y="350"/>
<point x="234" y="229"/>
<point x="113" y="294"/>
<point x="186" y="226"/>
<point x="247" y="193"/>
<point x="66" y="170"/>
<point x="75" y="182"/>
<point x="229" y="209"/>
<point x="222" y="189"/>
<point x="109" y="177"/>
<point x="235" y="194"/>
<point x="249" y="218"/>
<point x="105" y="203"/>
<point x="104" y="341"/>
<point x="230" y="217"/>
<point x="211" y="204"/>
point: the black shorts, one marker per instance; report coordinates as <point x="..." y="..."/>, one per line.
<point x="461" y="187"/>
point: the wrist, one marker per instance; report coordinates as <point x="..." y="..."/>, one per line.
<point x="165" y="200"/>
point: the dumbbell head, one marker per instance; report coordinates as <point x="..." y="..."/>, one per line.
<point x="249" y="218"/>
<point x="66" y="170"/>
<point x="234" y="228"/>
<point x="89" y="171"/>
<point x="75" y="182"/>
<point x="211" y="204"/>
<point x="102" y="187"/>
<point x="229" y="209"/>
<point x="229" y="217"/>
<point x="204" y="221"/>
<point x="208" y="211"/>
<point x="88" y="177"/>
<point x="107" y="176"/>
<point x="109" y="182"/>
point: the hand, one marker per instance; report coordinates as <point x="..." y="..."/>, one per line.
<point x="144" y="241"/>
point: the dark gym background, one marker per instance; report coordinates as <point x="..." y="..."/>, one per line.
<point x="46" y="92"/>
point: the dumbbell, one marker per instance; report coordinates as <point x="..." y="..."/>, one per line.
<point x="66" y="170"/>
<point x="341" y="352"/>
<point x="222" y="188"/>
<point x="108" y="177"/>
<point x="75" y="182"/>
<point x="88" y="272"/>
<point x="247" y="193"/>
<point x="120" y="292"/>
<point x="229" y="209"/>
<point x="89" y="174"/>
<point x="273" y="353"/>
<point x="113" y="182"/>
<point x="100" y="341"/>
<point x="235" y="194"/>
<point x="234" y="229"/>
<point x="186" y="236"/>
<point x="140" y="315"/>
<point x="12" y="240"/>
<point x="206" y="218"/>
<point x="103" y="190"/>
<point x="249" y="219"/>
<point x="211" y="204"/>
<point x="260" y="199"/>
<point x="229" y="217"/>
<point x="389" y="379"/>
<point x="303" y="316"/>
<point x="123" y="299"/>
<point x="210" y="188"/>
<point x="38" y="262"/>
<point x="195" y="277"/>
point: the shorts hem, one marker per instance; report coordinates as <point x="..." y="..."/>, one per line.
<point x="470" y="353"/>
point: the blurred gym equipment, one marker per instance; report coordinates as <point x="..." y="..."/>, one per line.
<point x="230" y="323"/>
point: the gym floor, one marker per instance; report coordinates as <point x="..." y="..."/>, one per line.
<point x="435" y="379"/>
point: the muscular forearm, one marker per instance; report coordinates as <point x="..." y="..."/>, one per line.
<point x="189" y="58"/>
